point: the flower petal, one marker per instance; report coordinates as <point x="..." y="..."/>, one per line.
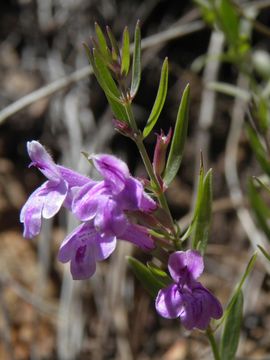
<point x="210" y="306"/>
<point x="185" y="264"/>
<point x="83" y="263"/>
<point x="54" y="199"/>
<point x="133" y="197"/>
<point x="30" y="214"/>
<point x="114" y="170"/>
<point x="169" y="302"/>
<point x="43" y="161"/>
<point x="104" y="246"/>
<point x="73" y="178"/>
<point x="139" y="236"/>
<point x="86" y="200"/>
<point x="82" y="234"/>
<point x="109" y="218"/>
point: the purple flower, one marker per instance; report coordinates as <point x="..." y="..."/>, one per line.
<point x="187" y="298"/>
<point x="83" y="247"/>
<point x="118" y="184"/>
<point x="48" y="198"/>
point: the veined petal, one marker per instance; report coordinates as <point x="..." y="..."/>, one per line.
<point x="184" y="264"/>
<point x="139" y="236"/>
<point x="109" y="218"/>
<point x="83" y="262"/>
<point x="210" y="306"/>
<point x="133" y="197"/>
<point x="86" y="200"/>
<point x="169" y="302"/>
<point x="30" y="214"/>
<point x="81" y="235"/>
<point x="104" y="246"/>
<point x="191" y="311"/>
<point x="54" y="199"/>
<point x="73" y="178"/>
<point x="114" y="170"/>
<point x="43" y="161"/>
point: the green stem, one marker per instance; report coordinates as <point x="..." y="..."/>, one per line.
<point x="213" y="344"/>
<point x="147" y="163"/>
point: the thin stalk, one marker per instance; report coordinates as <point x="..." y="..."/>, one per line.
<point x="213" y="344"/>
<point x="147" y="163"/>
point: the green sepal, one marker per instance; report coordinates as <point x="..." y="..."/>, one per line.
<point x="145" y="276"/>
<point x="125" y="53"/>
<point x="160" y="99"/>
<point x="178" y="141"/>
<point x="232" y="328"/>
<point x="136" y="63"/>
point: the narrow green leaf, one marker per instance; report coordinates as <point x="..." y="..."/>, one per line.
<point x="125" y="52"/>
<point x="258" y="149"/>
<point x="114" y="45"/>
<point x="264" y="252"/>
<point x="117" y="108"/>
<point x="106" y="80"/>
<point x="160" y="99"/>
<point x="232" y="328"/>
<point x="197" y="207"/>
<point x="248" y="269"/>
<point x="178" y="141"/>
<point x="260" y="208"/>
<point x="102" y="42"/>
<point x="159" y="274"/>
<point x="203" y="215"/>
<point x="136" y="64"/>
<point x="145" y="276"/>
<point x="229" y="22"/>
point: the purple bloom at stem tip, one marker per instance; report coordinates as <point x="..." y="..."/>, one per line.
<point x="47" y="199"/>
<point x="187" y="298"/>
<point x="102" y="206"/>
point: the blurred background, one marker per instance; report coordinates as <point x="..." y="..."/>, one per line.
<point x="48" y="94"/>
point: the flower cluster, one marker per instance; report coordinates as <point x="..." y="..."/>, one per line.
<point x="187" y="298"/>
<point x="101" y="206"/>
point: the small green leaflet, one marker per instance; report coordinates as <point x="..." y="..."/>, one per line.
<point x="232" y="328"/>
<point x="160" y="99"/>
<point x="125" y="53"/>
<point x="136" y="64"/>
<point x="203" y="212"/>
<point x="178" y="141"/>
<point x="149" y="281"/>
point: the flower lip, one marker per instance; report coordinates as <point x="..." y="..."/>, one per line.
<point x="43" y="161"/>
<point x="187" y="298"/>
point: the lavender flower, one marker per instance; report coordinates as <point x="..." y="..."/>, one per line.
<point x="101" y="206"/>
<point x="187" y="298"/>
<point x="48" y="198"/>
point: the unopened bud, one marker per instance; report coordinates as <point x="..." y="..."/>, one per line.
<point x="160" y="152"/>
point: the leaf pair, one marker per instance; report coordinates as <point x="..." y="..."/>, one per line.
<point x="152" y="278"/>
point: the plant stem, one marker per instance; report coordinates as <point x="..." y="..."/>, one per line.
<point x="213" y="344"/>
<point x="147" y="163"/>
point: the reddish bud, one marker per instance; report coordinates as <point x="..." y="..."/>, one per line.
<point x="123" y="127"/>
<point x="160" y="152"/>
